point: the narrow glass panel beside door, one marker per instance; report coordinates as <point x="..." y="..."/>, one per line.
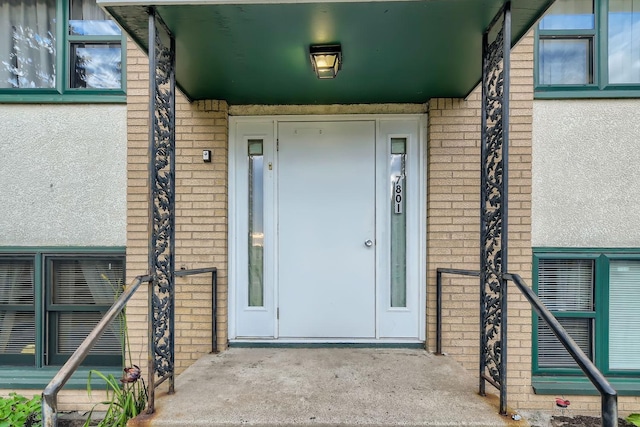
<point x="256" y="223"/>
<point x="398" y="222"/>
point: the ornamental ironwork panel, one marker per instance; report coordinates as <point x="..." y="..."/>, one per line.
<point x="161" y="203"/>
<point x="493" y="195"/>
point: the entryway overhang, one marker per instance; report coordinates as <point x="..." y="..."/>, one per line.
<point x="257" y="52"/>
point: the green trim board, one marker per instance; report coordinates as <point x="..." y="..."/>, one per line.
<point x="601" y="258"/>
<point x="85" y="98"/>
<point x="393" y="51"/>
<point x="20" y="378"/>
<point x="276" y="344"/>
<point x="580" y="250"/>
<point x="62" y="249"/>
<point x="582" y="386"/>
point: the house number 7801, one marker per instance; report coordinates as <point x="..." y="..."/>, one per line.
<point x="398" y="194"/>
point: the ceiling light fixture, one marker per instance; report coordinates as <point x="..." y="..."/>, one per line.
<point x="326" y="60"/>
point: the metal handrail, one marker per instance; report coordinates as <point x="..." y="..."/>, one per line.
<point x="609" y="396"/>
<point x="439" y="300"/>
<point x="214" y="291"/>
<point x="50" y="393"/>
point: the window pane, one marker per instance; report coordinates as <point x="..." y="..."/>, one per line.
<point x="17" y="326"/>
<point x="73" y="328"/>
<point x="569" y="15"/>
<point x="624" y="48"/>
<point x="565" y="61"/>
<point x="566" y="285"/>
<point x="17" y="332"/>
<point x="256" y="223"/>
<point x="16" y="281"/>
<point x="87" y="281"/>
<point x="624" y="315"/>
<point x="28" y="46"/>
<point x="86" y="18"/>
<point x="398" y="223"/>
<point x="552" y="354"/>
<point x="96" y="66"/>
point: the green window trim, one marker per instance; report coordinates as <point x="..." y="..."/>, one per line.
<point x="600" y="88"/>
<point x="62" y="92"/>
<point x="554" y="385"/>
<point x="21" y="378"/>
<point x="41" y="257"/>
<point x="548" y="380"/>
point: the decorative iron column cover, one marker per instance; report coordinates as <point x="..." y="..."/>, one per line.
<point x="161" y="204"/>
<point x="496" y="47"/>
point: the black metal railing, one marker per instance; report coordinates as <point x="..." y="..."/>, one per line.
<point x="50" y="394"/>
<point x="214" y="304"/>
<point x="609" y="396"/>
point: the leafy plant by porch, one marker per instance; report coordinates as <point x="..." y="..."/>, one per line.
<point x="124" y="401"/>
<point x="17" y="410"/>
<point x="634" y="419"/>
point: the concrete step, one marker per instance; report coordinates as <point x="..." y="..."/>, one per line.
<point x="325" y="387"/>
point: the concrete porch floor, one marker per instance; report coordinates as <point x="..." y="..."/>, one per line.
<point x="325" y="387"/>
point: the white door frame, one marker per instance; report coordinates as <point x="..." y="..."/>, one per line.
<point x="412" y="126"/>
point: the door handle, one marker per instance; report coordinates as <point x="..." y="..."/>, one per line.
<point x="368" y="243"/>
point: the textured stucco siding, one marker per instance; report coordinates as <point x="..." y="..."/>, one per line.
<point x="63" y="175"/>
<point x="585" y="173"/>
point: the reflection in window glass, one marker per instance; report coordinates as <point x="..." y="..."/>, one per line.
<point x="565" y="61"/>
<point x="96" y="66"/>
<point x="398" y="222"/>
<point x="86" y="18"/>
<point x="28" y="44"/>
<point x="569" y="15"/>
<point x="256" y="223"/>
<point x="624" y="45"/>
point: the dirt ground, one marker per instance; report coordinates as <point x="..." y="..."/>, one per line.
<point x="583" y="421"/>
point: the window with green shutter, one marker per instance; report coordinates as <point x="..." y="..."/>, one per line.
<point x="595" y="295"/>
<point x="50" y="301"/>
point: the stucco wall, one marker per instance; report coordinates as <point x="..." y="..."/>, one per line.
<point x="585" y="173"/>
<point x="63" y="175"/>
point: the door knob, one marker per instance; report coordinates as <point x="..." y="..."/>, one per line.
<point x="368" y="243"/>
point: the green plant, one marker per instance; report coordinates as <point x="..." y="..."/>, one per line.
<point x="124" y="400"/>
<point x="634" y="419"/>
<point x="17" y="410"/>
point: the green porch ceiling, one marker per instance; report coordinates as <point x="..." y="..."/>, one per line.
<point x="393" y="51"/>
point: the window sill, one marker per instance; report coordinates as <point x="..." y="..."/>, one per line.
<point x="63" y="99"/>
<point x="559" y="93"/>
<point x="582" y="386"/>
<point x="22" y="378"/>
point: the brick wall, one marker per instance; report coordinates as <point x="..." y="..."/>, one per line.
<point x="453" y="206"/>
<point x="453" y="202"/>
<point x="201" y="216"/>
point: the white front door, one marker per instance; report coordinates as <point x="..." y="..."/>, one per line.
<point x="326" y="230"/>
